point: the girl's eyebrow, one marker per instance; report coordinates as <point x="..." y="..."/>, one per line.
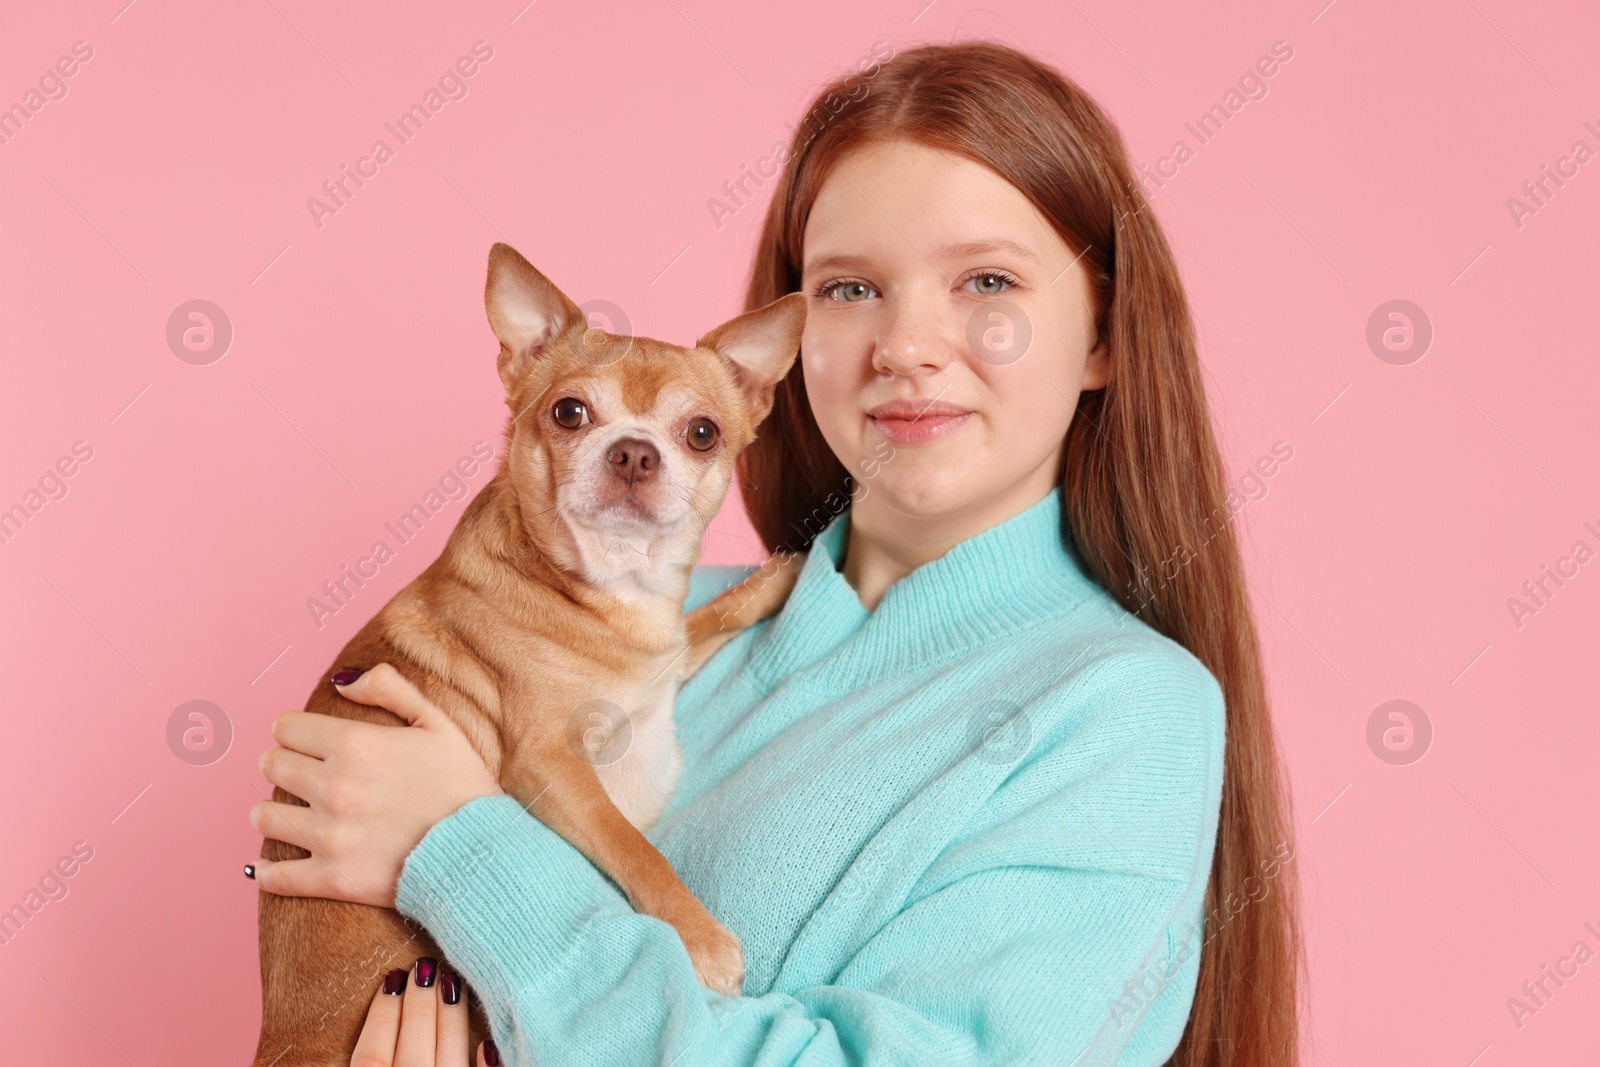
<point x="978" y="248"/>
<point x="839" y="260"/>
<point x="956" y="251"/>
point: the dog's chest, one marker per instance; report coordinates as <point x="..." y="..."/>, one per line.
<point x="633" y="745"/>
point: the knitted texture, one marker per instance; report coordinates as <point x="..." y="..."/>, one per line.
<point x="972" y="826"/>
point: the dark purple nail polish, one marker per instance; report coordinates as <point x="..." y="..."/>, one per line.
<point x="346" y="675"/>
<point x="450" y="986"/>
<point x="427" y="971"/>
<point x="249" y="870"/>
<point x="491" y="1055"/>
<point x="394" y="983"/>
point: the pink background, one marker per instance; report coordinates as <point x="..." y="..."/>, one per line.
<point x="220" y="497"/>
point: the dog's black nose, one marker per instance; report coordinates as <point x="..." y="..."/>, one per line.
<point x="633" y="459"/>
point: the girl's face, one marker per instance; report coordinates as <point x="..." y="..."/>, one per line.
<point x="939" y="290"/>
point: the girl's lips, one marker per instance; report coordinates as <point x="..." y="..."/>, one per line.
<point x="917" y="431"/>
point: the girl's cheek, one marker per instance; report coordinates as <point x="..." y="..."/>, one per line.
<point x="831" y="384"/>
<point x="836" y="353"/>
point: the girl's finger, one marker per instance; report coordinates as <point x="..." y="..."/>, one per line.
<point x="385" y="687"/>
<point x="285" y="878"/>
<point x="307" y="732"/>
<point x="298" y="773"/>
<point x="293" y="824"/>
<point x="382" y="1028"/>
<point x="455" y="1040"/>
<point x="312" y="876"/>
<point x="419" y="1020"/>
<point x="488" y="1055"/>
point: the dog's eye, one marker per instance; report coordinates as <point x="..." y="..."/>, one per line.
<point x="702" y="434"/>
<point x="569" y="412"/>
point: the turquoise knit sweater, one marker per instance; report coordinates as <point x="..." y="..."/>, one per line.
<point x="971" y="826"/>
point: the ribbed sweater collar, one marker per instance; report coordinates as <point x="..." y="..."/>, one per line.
<point x="1000" y="580"/>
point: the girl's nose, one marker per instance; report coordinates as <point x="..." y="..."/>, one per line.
<point x="912" y="338"/>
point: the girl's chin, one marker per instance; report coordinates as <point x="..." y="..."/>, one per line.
<point x="918" y="481"/>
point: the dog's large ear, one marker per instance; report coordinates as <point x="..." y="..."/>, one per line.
<point x="526" y="311"/>
<point x="761" y="346"/>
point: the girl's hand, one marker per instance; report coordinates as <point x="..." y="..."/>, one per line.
<point x="419" y="1023"/>
<point x="374" y="791"/>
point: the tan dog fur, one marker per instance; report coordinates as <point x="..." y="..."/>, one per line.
<point x="552" y="618"/>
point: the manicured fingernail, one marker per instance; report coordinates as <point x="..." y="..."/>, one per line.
<point x="427" y="971"/>
<point x="450" y="986"/>
<point x="394" y="983"/>
<point x="346" y="675"/>
<point x="249" y="870"/>
<point x="491" y="1055"/>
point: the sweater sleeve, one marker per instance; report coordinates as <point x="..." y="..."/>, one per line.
<point x="1047" y="932"/>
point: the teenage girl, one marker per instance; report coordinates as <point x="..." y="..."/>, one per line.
<point x="998" y="784"/>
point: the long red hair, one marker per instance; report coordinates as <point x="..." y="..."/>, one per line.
<point x="1144" y="489"/>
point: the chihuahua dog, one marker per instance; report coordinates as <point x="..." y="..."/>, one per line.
<point x="551" y="629"/>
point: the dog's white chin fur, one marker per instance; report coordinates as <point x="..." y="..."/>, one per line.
<point x="624" y="514"/>
<point x="633" y="558"/>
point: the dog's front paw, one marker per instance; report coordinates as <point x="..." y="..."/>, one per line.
<point x="714" y="950"/>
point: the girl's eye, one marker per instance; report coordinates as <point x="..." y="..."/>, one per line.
<point x="854" y="290"/>
<point x="995" y="279"/>
<point x="569" y="412"/>
<point x="701" y="434"/>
